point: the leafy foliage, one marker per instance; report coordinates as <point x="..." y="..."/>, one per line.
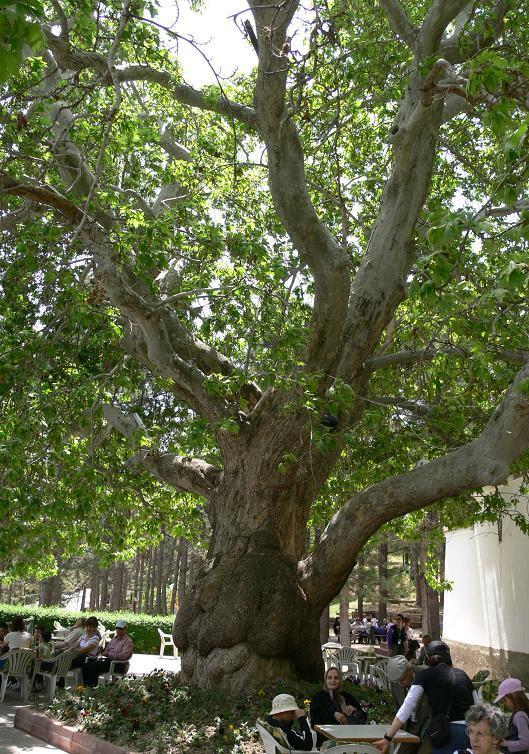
<point x="157" y="714"/>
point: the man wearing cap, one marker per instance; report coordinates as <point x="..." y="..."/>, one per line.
<point x="449" y="692"/>
<point x="279" y="724"/>
<point x="120" y="648"/>
<point x="401" y="674"/>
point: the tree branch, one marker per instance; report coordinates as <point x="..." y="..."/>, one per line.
<point x="479" y="40"/>
<point x="324" y="256"/>
<point x="181" y="472"/>
<point x="484" y="461"/>
<point x="441" y="13"/>
<point x="399" y="22"/>
<point x="169" y="347"/>
<point x="70" y="58"/>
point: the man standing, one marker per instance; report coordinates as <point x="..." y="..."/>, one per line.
<point x="401" y="675"/>
<point x="397" y="639"/>
<point x="120" y="648"/>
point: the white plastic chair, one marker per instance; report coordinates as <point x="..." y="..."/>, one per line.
<point x="18" y="666"/>
<point x="58" y="627"/>
<point x="112" y="674"/>
<point x="61" y="670"/>
<point x="379" y="677"/>
<point x="271" y="745"/>
<point x="166" y="640"/>
<point x="347" y="661"/>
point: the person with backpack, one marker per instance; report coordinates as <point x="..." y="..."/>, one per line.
<point x="449" y="692"/>
<point x="512" y="694"/>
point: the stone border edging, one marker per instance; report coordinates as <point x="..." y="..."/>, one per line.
<point x="63" y="736"/>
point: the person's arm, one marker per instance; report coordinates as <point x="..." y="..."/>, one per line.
<point x="521" y="720"/>
<point x="409" y="705"/>
<point x="302" y="740"/>
<point x="93" y="641"/>
<point x="120" y="651"/>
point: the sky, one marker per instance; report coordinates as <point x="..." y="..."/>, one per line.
<point x="218" y="36"/>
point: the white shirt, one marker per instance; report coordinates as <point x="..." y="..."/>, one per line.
<point x="89" y="641"/>
<point x="18" y="640"/>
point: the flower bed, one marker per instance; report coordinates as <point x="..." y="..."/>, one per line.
<point x="155" y="714"/>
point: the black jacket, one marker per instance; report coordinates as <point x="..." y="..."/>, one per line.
<point x="322" y="709"/>
<point x="302" y="741"/>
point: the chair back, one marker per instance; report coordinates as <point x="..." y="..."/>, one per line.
<point x="19" y="661"/>
<point x="335" y="747"/>
<point x="57" y="626"/>
<point x="64" y="660"/>
<point x="346" y="656"/>
<point x="167" y="637"/>
<point x="269" y="742"/>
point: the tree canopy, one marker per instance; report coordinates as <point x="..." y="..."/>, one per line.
<point x="328" y="255"/>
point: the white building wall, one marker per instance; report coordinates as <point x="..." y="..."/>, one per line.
<point x="489" y="569"/>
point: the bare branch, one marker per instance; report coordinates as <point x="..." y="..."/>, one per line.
<point x="399" y="22"/>
<point x="182" y="472"/>
<point x="441" y="13"/>
<point x="484" y="461"/>
<point x="327" y="261"/>
<point x="70" y="58"/>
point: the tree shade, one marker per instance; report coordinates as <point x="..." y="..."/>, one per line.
<point x="294" y="294"/>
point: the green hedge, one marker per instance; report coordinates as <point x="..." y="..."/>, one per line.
<point x="140" y="627"/>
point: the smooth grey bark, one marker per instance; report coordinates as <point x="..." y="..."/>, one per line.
<point x="345" y="633"/>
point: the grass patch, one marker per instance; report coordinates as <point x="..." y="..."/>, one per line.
<point x="156" y="714"/>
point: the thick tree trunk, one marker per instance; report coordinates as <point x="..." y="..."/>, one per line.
<point x="360" y="585"/>
<point x="159" y="577"/>
<point x="140" y="583"/>
<point x="383" y="578"/>
<point x="117" y="586"/>
<point x="429" y="596"/>
<point x="182" y="575"/>
<point x="49" y="591"/>
<point x="324" y="625"/>
<point x="94" y="589"/>
<point x="345" y="633"/>
<point x="245" y="619"/>
<point x="103" y="592"/>
<point x="83" y="599"/>
<point x="176" y="571"/>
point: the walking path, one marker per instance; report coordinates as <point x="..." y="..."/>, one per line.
<point x="14" y="741"/>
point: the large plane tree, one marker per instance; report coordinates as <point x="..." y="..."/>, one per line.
<point x="275" y="294"/>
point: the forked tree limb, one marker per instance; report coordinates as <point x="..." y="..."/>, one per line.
<point x="484" y="461"/>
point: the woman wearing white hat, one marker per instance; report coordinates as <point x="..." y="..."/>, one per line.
<point x="512" y="694"/>
<point x="279" y="721"/>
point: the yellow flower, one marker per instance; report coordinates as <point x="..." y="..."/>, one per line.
<point x="80" y="689"/>
<point x="306" y="702"/>
<point x="230" y="726"/>
<point x="261" y="692"/>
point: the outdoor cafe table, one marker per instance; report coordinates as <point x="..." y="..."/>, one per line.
<point x="364" y="734"/>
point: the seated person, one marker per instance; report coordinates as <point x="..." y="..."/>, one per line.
<point x="279" y="724"/>
<point x="3" y="631"/>
<point x="88" y="644"/>
<point x="44" y="649"/>
<point x="72" y="637"/>
<point x="119" y="648"/>
<point x="331" y="705"/>
<point x="18" y="637"/>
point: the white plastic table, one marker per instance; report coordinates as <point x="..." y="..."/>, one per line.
<point x="365" y="734"/>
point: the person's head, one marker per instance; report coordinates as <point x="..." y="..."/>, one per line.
<point x="46" y="636"/>
<point x="426" y="639"/>
<point x="332" y="680"/>
<point x="486" y="727"/>
<point x="37" y="632"/>
<point x="438" y="652"/>
<point x="406" y="621"/>
<point x="120" y="628"/>
<point x="80" y="623"/>
<point x="3" y="629"/>
<point x="17" y="624"/>
<point x="399" y="620"/>
<point x="91" y="625"/>
<point x="400" y="671"/>
<point x="284" y="708"/>
<point x="512" y="694"/>
<point x="385" y="621"/>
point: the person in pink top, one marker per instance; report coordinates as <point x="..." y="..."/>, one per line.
<point x="120" y="648"/>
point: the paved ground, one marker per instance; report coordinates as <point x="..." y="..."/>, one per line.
<point x="14" y="741"/>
